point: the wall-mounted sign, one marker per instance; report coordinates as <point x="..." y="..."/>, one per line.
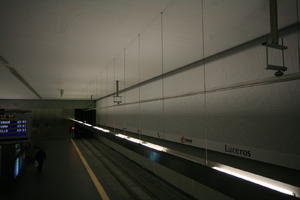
<point x="14" y="126"/>
<point x="237" y="151"/>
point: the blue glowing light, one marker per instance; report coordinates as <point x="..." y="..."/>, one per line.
<point x="153" y="156"/>
<point x="17" y="167"/>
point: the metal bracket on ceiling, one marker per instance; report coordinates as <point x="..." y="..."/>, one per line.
<point x="280" y="69"/>
<point x="117" y="99"/>
<point x="273" y="42"/>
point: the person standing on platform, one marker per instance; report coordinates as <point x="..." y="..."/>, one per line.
<point x="40" y="157"/>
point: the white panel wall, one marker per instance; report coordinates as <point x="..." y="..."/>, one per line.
<point x="152" y="90"/>
<point x="119" y="73"/>
<point x="131" y="63"/>
<point x="185" y="117"/>
<point x="111" y="78"/>
<point x="151" y="50"/>
<point x="131" y="95"/>
<point x="185" y="82"/>
<point x="182" y="33"/>
<point x="263" y="119"/>
<point x="152" y="118"/>
<point x="229" y="23"/>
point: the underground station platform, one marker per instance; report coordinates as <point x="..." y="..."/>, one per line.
<point x="149" y="100"/>
<point x="98" y="162"/>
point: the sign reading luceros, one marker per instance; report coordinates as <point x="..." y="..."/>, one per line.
<point x="237" y="151"/>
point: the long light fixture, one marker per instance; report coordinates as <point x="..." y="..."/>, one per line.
<point x="135" y="140"/>
<point x="101" y="129"/>
<point x="89" y="125"/>
<point x="155" y="146"/>
<point x="254" y="180"/>
<point x="138" y="141"/>
<point x="80" y="122"/>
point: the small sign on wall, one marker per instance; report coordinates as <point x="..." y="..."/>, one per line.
<point x="237" y="151"/>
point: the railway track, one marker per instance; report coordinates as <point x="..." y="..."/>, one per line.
<point x="124" y="179"/>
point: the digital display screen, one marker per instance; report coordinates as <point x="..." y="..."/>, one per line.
<point x="13" y="122"/>
<point x="13" y="128"/>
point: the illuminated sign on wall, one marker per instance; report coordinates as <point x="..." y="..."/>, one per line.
<point x="13" y="128"/>
<point x="7" y="116"/>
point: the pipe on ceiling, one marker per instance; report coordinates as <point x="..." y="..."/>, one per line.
<point x="16" y="74"/>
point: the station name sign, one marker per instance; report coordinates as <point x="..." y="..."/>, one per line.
<point x="237" y="151"/>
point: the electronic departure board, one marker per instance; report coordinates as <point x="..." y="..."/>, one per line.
<point x="14" y="126"/>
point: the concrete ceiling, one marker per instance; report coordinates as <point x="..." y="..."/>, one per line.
<point x="69" y="44"/>
<point x="63" y="44"/>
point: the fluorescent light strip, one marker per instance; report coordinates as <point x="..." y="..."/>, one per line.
<point x="89" y="125"/>
<point x="98" y="128"/>
<point x="77" y="121"/>
<point x="121" y="136"/>
<point x="138" y="141"/>
<point x="254" y="180"/>
<point x="135" y="140"/>
<point x="101" y="129"/>
<point x="154" y="146"/>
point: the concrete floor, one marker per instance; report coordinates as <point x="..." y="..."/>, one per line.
<point x="63" y="177"/>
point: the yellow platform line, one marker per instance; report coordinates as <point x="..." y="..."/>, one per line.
<point x="96" y="182"/>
